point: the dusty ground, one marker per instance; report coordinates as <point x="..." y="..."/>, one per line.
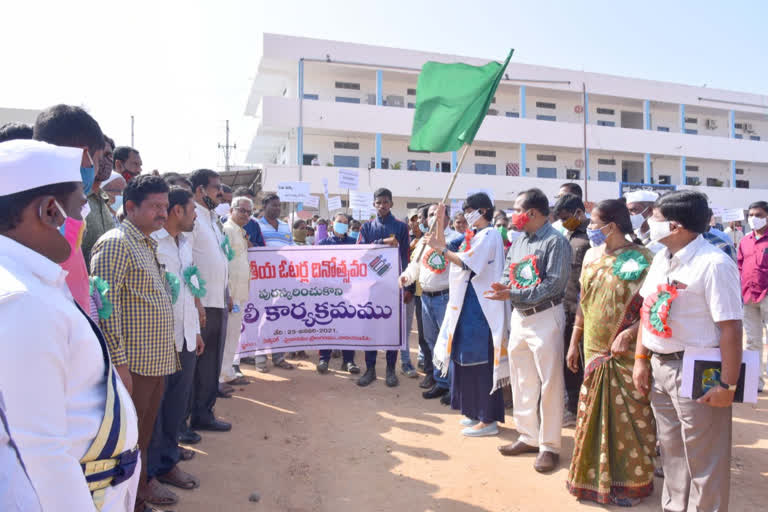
<point x="309" y="442"/>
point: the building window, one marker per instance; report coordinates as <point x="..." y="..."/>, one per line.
<point x="485" y="168"/>
<point x="493" y="100"/>
<point x="542" y="104"/>
<point x="606" y="161"/>
<point x="742" y="183"/>
<point x="606" y="176"/>
<point x="738" y="136"/>
<point x="346" y="145"/>
<point x="348" y="85"/>
<point x="662" y="128"/>
<point x="605" y="111"/>
<point x="665" y="179"/>
<point x="691" y="131"/>
<point x="346" y="161"/>
<point x="714" y="182"/>
<point x="311" y="97"/>
<point x="307" y="159"/>
<point x="691" y="168"/>
<point x="754" y="137"/>
<point x="419" y="165"/>
<point x="739" y="171"/>
<point x="492" y="112"/>
<point x="513" y="114"/>
<point x="411" y="105"/>
<point x="572" y="174"/>
<point x="546" y="158"/>
<point x="605" y="123"/>
<point x="485" y="152"/>
<point x="546" y="172"/>
<point x="738" y="126"/>
<point x="384" y="163"/>
<point x="691" y="120"/>
<point x="411" y="92"/>
<point x="344" y="99"/>
<point x="692" y="180"/>
<point x="546" y="118"/>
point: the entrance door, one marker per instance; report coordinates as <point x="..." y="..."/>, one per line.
<point x="632" y="171"/>
<point x="445" y="166"/>
<point x="632" y="120"/>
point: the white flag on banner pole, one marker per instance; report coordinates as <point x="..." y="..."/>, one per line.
<point x="311" y="201"/>
<point x="334" y="203"/>
<point x="348" y="178"/>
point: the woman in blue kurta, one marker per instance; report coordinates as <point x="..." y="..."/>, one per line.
<point x="473" y="331"/>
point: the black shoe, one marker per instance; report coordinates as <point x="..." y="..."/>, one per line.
<point x="248" y="360"/>
<point x="189" y="437"/>
<point x="420" y="364"/>
<point x="368" y="377"/>
<point x="435" y="392"/>
<point x="322" y="367"/>
<point x="446" y="399"/>
<point x="214" y="426"/>
<point x="350" y="367"/>
<point x="427" y="382"/>
<point x="392" y="378"/>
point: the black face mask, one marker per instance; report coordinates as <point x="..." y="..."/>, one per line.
<point x="209" y="203"/>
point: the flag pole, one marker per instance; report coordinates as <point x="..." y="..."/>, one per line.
<point x="445" y="197"/>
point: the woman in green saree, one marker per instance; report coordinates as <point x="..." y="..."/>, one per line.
<point x="615" y="429"/>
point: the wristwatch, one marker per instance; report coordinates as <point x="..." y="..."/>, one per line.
<point x="443" y="251"/>
<point x="729" y="387"/>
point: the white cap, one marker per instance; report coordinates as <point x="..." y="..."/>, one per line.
<point x="641" y="196"/>
<point x="26" y="164"/>
<point x="112" y="177"/>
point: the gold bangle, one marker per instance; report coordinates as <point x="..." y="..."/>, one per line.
<point x="641" y="356"/>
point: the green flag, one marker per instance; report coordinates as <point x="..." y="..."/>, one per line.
<point x="451" y="102"/>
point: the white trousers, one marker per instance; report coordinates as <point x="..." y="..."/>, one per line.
<point x="234" y="322"/>
<point x="536" y="371"/>
<point x="755" y="318"/>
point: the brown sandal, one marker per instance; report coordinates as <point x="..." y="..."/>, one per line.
<point x="186" y="453"/>
<point x="178" y="478"/>
<point x="160" y="495"/>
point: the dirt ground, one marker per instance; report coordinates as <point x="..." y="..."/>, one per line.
<point x="319" y="443"/>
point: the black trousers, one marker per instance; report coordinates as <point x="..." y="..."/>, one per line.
<point x="572" y="380"/>
<point x="423" y="345"/>
<point x="206" y="382"/>
<point x="370" y="359"/>
<point x="348" y="356"/>
<point x="164" y="448"/>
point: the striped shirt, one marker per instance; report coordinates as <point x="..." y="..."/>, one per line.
<point x="139" y="331"/>
<point x="724" y="244"/>
<point x="552" y="255"/>
<point x="279" y="237"/>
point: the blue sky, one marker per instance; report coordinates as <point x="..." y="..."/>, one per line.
<point x="182" y="68"/>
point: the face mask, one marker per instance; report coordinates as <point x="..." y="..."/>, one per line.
<point x="596" y="236"/>
<point x="636" y="220"/>
<point x="503" y="231"/>
<point x="519" y="220"/>
<point x="571" y="223"/>
<point x="340" y="228"/>
<point x="117" y="204"/>
<point x="85" y="210"/>
<point x="87" y="174"/>
<point x="513" y="235"/>
<point x="310" y="240"/>
<point x="472" y="217"/>
<point x="222" y="209"/>
<point x="659" y="230"/>
<point x="757" y="223"/>
<point x="423" y="228"/>
<point x="71" y="229"/>
<point x="353" y="234"/>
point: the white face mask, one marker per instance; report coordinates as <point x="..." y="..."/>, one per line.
<point x="310" y="240"/>
<point x="659" y="230"/>
<point x="472" y="217"/>
<point x="757" y="223"/>
<point x="513" y="235"/>
<point x="636" y="220"/>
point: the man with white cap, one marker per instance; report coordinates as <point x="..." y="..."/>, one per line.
<point x="640" y="205"/>
<point x="74" y="423"/>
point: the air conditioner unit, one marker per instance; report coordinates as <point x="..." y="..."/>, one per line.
<point x="711" y="124"/>
<point x="395" y="101"/>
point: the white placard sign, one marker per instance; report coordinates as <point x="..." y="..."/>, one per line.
<point x="717" y="211"/>
<point x="325" y="188"/>
<point x="311" y="201"/>
<point x="360" y="200"/>
<point x="349" y="179"/>
<point x="455" y="207"/>
<point x="292" y="191"/>
<point x="733" y="214"/>
<point x="334" y="203"/>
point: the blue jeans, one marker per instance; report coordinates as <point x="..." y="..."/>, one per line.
<point x="432" y="314"/>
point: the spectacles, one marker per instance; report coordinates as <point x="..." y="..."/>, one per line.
<point x="243" y="210"/>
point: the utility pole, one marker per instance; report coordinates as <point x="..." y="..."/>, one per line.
<point x="226" y="148"/>
<point x="132" y="131"/>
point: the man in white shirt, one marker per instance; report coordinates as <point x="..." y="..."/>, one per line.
<point x="55" y="417"/>
<point x="211" y="261"/>
<point x="16" y="491"/>
<point x="174" y="253"/>
<point x="239" y="280"/>
<point x="692" y="298"/>
<point x="431" y="270"/>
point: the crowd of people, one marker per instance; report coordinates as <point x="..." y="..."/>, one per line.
<point x="125" y="293"/>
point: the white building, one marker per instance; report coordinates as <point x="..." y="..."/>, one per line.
<point x="348" y="105"/>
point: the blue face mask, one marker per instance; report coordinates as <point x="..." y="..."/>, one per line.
<point x="340" y="228"/>
<point x="353" y="234"/>
<point x="423" y="228"/>
<point x="117" y="204"/>
<point x="88" y="174"/>
<point x="596" y="236"/>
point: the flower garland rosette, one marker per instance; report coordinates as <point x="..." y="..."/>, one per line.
<point x="174" y="284"/>
<point x="434" y="261"/>
<point x="630" y="265"/>
<point x="226" y="246"/>
<point x="97" y="289"/>
<point x="525" y="273"/>
<point x="655" y="311"/>
<point x="194" y="282"/>
<point x="467" y="243"/>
